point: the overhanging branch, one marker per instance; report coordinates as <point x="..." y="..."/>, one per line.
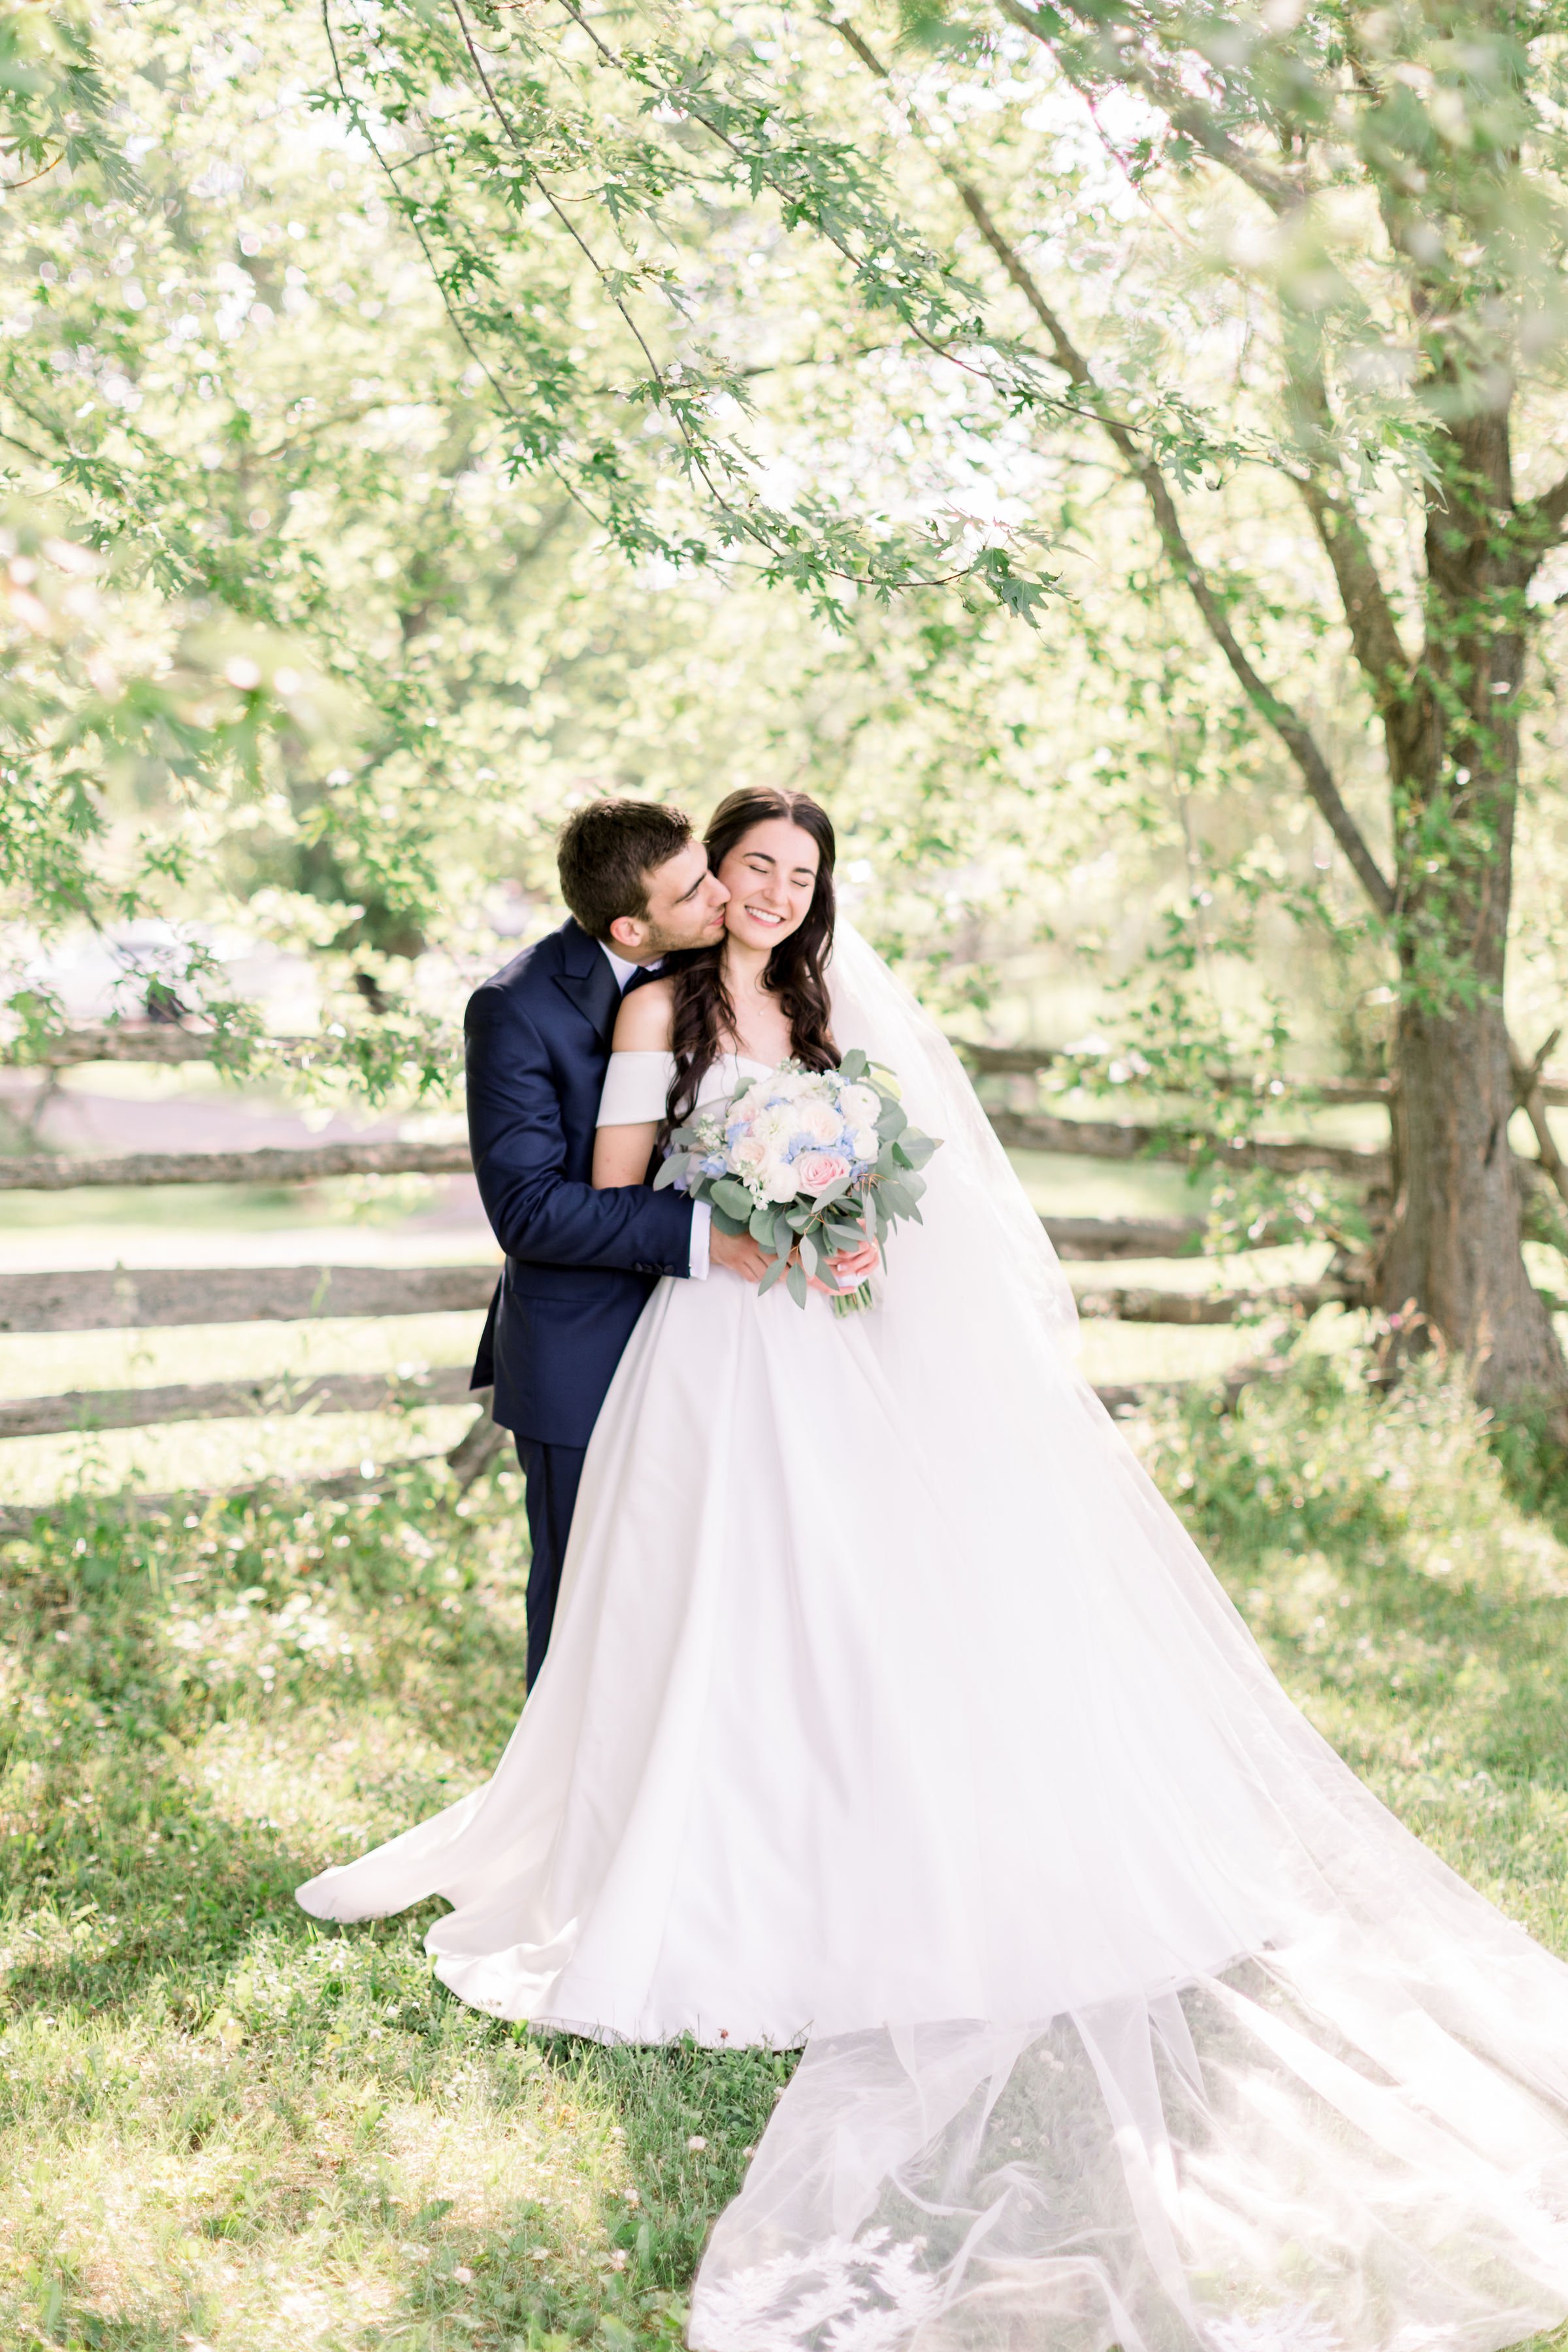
<point x="1369" y="613"/>
<point x="1287" y="722"/>
<point x="1181" y="106"/>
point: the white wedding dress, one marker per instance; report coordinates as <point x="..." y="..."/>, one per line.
<point x="890" y="1709"/>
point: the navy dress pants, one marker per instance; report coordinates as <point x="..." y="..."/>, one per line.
<point x="551" y="1473"/>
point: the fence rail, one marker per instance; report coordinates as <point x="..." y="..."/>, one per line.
<point x="275" y="1164"/>
<point x="1027" y="1060"/>
<point x="93" y="1408"/>
<point x="1089" y="1138"/>
<point x="147" y="1298"/>
<point x="175" y="1298"/>
<point x="169" y="1041"/>
<point x="1099" y="1139"/>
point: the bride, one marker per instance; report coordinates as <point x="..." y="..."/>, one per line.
<point x="890" y="1710"/>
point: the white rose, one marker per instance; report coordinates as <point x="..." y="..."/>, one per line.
<point x="749" y="1154"/>
<point x="779" y="1182"/>
<point x="818" y="1122"/>
<point x="860" y="1106"/>
<point x="863" y="1143"/>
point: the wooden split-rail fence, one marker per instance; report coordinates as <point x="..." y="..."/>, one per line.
<point x="142" y="1299"/>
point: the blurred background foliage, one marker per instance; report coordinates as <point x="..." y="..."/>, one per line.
<point x="390" y="468"/>
<point x="305" y="632"/>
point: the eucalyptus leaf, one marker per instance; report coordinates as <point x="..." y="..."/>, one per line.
<point x="794" y="1282"/>
<point x="731" y="1194"/>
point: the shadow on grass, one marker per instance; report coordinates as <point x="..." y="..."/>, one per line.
<point x="269" y="2095"/>
<point x="296" y="2083"/>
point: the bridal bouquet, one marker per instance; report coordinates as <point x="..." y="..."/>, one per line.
<point x="809" y="1162"/>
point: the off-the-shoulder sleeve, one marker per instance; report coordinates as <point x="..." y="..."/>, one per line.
<point x="637" y="1086"/>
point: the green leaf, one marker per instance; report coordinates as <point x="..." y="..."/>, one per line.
<point x="918" y="1149"/>
<point x="854" y="1065"/>
<point x="761" y="1227"/>
<point x="731" y="1194"/>
<point x="729" y="1225"/>
<point x="779" y="1267"/>
<point x="671" y="1169"/>
<point x="809" y="1254"/>
<point x="794" y="1282"/>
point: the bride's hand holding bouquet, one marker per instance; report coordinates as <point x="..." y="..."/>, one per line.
<point x="812" y="1163"/>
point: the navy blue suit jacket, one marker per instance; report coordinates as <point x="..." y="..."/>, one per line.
<point x="579" y="1264"/>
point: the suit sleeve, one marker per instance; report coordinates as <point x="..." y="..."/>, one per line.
<point x="518" y="1148"/>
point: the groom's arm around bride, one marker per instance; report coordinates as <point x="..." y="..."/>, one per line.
<point x="579" y="1263"/>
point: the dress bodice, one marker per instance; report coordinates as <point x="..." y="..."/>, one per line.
<point x="637" y="1086"/>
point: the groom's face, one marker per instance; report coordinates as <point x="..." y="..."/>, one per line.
<point x="685" y="905"/>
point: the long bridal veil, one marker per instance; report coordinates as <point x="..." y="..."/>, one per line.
<point x="1270" y="2078"/>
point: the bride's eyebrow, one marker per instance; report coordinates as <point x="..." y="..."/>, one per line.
<point x="798" y="873"/>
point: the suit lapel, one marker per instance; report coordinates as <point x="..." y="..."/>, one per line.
<point x="587" y="978"/>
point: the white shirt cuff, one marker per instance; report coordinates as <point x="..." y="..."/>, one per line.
<point x="702" y="1229"/>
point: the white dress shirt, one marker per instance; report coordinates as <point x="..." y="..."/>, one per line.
<point x="701" y="1214"/>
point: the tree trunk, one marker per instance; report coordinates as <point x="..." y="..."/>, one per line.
<point x="1454" y="1250"/>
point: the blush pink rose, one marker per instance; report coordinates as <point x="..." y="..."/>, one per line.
<point x="815" y="1170"/>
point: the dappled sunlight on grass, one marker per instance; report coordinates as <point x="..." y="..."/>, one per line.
<point x="224" y="2125"/>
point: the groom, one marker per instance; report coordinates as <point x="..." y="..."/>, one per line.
<point x="579" y="1264"/>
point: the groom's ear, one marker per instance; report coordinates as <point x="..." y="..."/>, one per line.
<point x="629" y="934"/>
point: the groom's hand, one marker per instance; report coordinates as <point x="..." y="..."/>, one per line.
<point x="738" y="1252"/>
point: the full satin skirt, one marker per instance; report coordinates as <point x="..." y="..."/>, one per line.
<point x="890" y="1709"/>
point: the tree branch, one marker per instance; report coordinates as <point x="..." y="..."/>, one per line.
<point x="1287" y="723"/>
<point x="1549" y="512"/>
<point x="1180" y="106"/>
<point x="1369" y="613"/>
<point x="1527" y="1088"/>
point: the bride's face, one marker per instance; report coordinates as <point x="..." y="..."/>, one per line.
<point x="770" y="874"/>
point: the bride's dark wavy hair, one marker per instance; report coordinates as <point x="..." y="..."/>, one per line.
<point x="704" y="1017"/>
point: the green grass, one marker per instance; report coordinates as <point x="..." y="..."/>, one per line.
<point x="222" y="2125"/>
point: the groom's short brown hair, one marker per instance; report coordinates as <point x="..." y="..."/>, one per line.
<point x="605" y="853"/>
